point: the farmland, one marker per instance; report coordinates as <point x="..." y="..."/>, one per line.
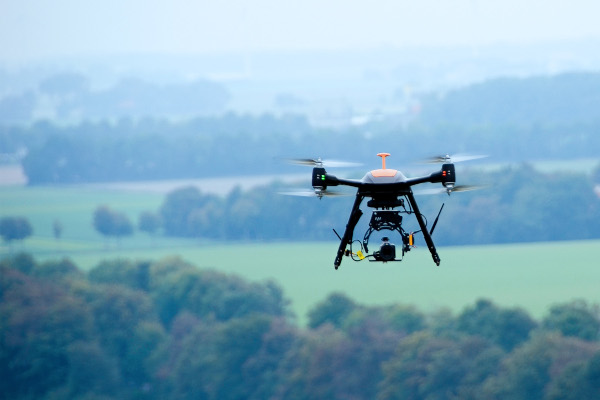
<point x="533" y="276"/>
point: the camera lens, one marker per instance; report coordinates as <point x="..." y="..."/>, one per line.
<point x="387" y="252"/>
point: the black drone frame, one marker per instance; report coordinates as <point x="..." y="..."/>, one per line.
<point x="384" y="196"/>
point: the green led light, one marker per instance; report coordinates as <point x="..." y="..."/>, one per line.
<point x="322" y="177"/>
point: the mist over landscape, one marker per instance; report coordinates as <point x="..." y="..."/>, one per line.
<point x="147" y="250"/>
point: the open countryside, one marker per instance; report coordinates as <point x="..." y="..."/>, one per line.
<point x="532" y="276"/>
<point x="147" y="251"/>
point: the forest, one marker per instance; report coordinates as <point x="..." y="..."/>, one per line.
<point x="130" y="150"/>
<point x="167" y="329"/>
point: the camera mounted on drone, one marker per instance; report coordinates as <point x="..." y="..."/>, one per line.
<point x="390" y="195"/>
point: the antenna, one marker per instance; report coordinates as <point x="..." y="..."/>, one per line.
<point x="383" y="156"/>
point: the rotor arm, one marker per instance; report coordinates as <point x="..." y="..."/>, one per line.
<point x="347" y="182"/>
<point x="321" y="179"/>
<point x="431" y="178"/>
<point x="446" y="176"/>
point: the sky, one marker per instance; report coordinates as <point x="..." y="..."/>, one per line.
<point x="33" y="30"/>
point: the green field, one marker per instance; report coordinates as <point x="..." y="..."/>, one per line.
<point x="73" y="206"/>
<point x="532" y="276"/>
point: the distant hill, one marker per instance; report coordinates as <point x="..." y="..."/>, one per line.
<point x="560" y="99"/>
<point x="509" y="119"/>
<point x="68" y="98"/>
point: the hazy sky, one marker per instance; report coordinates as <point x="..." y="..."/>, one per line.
<point x="33" y="29"/>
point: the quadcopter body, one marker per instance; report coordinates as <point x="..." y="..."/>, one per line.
<point x="390" y="195"/>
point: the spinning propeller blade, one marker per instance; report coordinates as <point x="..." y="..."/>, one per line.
<point x="313" y="193"/>
<point x="457" y="188"/>
<point x="466" y="188"/>
<point x="310" y="162"/>
<point x="452" y="158"/>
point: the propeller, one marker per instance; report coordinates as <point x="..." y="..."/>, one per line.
<point x="314" y="193"/>
<point x="311" y="162"/>
<point x="453" y="158"/>
<point x="457" y="188"/>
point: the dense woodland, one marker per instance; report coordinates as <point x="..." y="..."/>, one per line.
<point x="140" y="330"/>
<point x="244" y="145"/>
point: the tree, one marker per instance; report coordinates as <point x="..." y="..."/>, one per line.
<point x="578" y="381"/>
<point x="316" y="366"/>
<point x="576" y="318"/>
<point x="135" y="275"/>
<point x="228" y="360"/>
<point x="39" y="320"/>
<point x="57" y="229"/>
<point x="334" y="310"/>
<point x="112" y="223"/>
<point x="211" y="294"/>
<point x="128" y="328"/>
<point x="149" y="222"/>
<point x="529" y="371"/>
<point x="177" y="207"/>
<point x="507" y="328"/>
<point x="91" y="371"/>
<point x="57" y="270"/>
<point x="15" y="228"/>
<point x="406" y="318"/>
<point x="429" y="367"/>
<point x="23" y="262"/>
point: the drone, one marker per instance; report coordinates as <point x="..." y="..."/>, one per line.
<point x="391" y="197"/>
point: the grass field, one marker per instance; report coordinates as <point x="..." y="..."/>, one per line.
<point x="531" y="276"/>
<point x="73" y="206"/>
